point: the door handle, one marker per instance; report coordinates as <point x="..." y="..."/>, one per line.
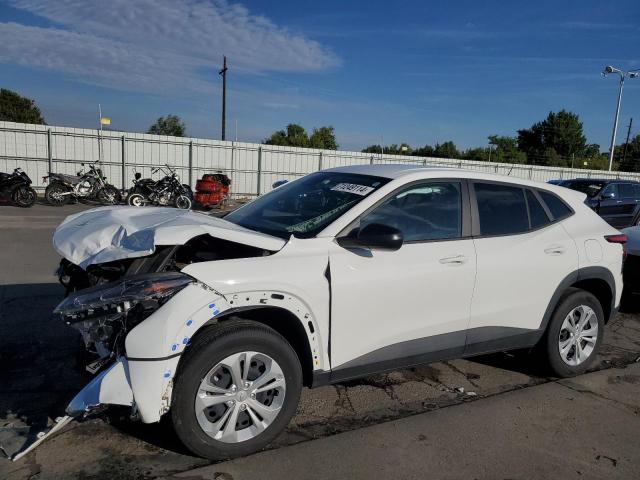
<point x="554" y="250"/>
<point x="453" y="260"/>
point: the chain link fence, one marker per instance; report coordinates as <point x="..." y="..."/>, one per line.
<point x="253" y="168"/>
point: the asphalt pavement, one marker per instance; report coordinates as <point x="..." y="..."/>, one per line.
<point x="496" y="416"/>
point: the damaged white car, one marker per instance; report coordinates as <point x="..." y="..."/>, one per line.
<point x="337" y="275"/>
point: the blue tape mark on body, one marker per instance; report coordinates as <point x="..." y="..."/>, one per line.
<point x="189" y="322"/>
<point x="167" y="374"/>
<point x="214" y="309"/>
<point x="185" y="340"/>
<point x="174" y="347"/>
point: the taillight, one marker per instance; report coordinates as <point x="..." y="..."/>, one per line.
<point x="620" y="238"/>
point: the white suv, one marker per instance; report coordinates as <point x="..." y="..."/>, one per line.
<point x="339" y="274"/>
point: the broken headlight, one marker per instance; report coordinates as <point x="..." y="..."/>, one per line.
<point x="105" y="313"/>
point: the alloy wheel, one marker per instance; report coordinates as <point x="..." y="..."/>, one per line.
<point x="578" y="335"/>
<point x="240" y="397"/>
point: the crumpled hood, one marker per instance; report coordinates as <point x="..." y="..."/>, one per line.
<point x="112" y="233"/>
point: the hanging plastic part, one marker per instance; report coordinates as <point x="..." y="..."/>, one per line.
<point x="42" y="436"/>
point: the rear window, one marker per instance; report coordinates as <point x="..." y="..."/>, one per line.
<point x="537" y="215"/>
<point x="502" y="209"/>
<point x="557" y="207"/>
<point x="626" y="190"/>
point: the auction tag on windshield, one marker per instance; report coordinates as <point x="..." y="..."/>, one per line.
<point x="353" y="188"/>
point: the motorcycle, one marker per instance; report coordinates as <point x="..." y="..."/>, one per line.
<point x="16" y="188"/>
<point x="89" y="185"/>
<point x="166" y="191"/>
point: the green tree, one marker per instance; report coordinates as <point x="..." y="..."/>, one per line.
<point x="324" y="138"/>
<point x="16" y="108"/>
<point x="631" y="161"/>
<point x="555" y="140"/>
<point x="372" y="149"/>
<point x="505" y="150"/>
<point x="426" y="151"/>
<point x="294" y="136"/>
<point x="170" y="125"/>
<point x="477" y="153"/>
<point x="446" y="150"/>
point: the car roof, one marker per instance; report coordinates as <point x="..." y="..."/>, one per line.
<point x="417" y="172"/>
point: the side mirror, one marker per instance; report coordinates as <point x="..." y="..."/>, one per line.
<point x="138" y="175"/>
<point x="375" y="236"/>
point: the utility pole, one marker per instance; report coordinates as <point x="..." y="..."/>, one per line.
<point x="223" y="72"/>
<point x="624" y="152"/>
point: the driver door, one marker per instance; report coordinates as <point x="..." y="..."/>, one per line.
<point x="397" y="308"/>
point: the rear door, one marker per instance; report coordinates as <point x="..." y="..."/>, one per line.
<point x="628" y="203"/>
<point x="523" y="253"/>
<point x="611" y="209"/>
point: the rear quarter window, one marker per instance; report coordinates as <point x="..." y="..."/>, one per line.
<point x="556" y="206"/>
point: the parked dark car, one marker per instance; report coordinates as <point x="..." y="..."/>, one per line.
<point x="631" y="269"/>
<point x="616" y="201"/>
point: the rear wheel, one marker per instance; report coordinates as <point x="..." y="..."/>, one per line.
<point x="109" y="195"/>
<point x="236" y="390"/>
<point x="574" y="335"/>
<point x="57" y="194"/>
<point x="183" y="202"/>
<point x="24" y="196"/>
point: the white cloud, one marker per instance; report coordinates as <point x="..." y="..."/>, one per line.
<point x="155" y="45"/>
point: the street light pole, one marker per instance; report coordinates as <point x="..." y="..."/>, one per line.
<point x="631" y="74"/>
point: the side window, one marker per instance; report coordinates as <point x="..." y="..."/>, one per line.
<point x="636" y="190"/>
<point x="537" y="215"/>
<point x="429" y="211"/>
<point x="502" y="209"/>
<point x="626" y="190"/>
<point x="557" y="207"/>
<point x="611" y="189"/>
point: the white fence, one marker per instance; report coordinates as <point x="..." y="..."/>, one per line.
<point x="252" y="167"/>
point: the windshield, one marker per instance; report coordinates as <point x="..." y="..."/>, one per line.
<point x="304" y="207"/>
<point x="591" y="188"/>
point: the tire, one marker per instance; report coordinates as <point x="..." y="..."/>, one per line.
<point x="53" y="195"/>
<point x="109" y="195"/>
<point x="136" y="200"/>
<point x="183" y="202"/>
<point x="24" y="196"/>
<point x="201" y="361"/>
<point x="582" y="306"/>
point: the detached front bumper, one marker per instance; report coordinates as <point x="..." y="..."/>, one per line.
<point x="110" y="387"/>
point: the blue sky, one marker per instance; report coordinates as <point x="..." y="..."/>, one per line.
<point x="404" y="71"/>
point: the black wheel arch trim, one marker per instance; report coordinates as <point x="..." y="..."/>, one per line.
<point x="585" y="273"/>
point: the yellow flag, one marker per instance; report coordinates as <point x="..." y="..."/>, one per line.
<point x="105" y="121"/>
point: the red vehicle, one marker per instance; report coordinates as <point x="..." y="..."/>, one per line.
<point x="212" y="190"/>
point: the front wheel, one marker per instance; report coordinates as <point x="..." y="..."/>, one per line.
<point x="236" y="389"/>
<point x="136" y="200"/>
<point x="183" y="202"/>
<point x="109" y="195"/>
<point x="57" y="194"/>
<point x="573" y="337"/>
<point x="24" y="196"/>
